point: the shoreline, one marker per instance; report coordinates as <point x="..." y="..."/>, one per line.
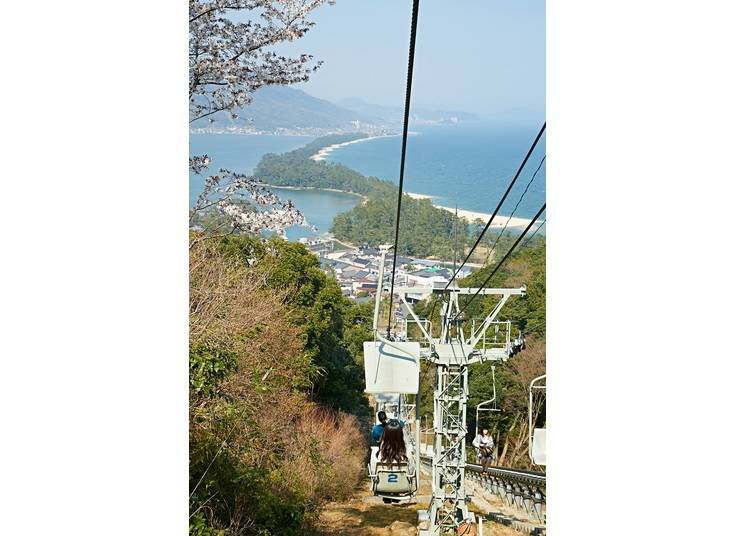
<point x="327" y="150"/>
<point x="471" y="215"/>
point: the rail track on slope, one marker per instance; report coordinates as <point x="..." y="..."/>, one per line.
<point x="522" y="492"/>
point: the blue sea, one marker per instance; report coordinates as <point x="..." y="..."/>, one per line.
<point x="241" y="153"/>
<point x="469" y="165"/>
<point x="466" y="165"/>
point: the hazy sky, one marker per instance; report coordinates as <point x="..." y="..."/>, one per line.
<point x="476" y="55"/>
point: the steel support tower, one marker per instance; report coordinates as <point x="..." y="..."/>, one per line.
<point x="451" y="353"/>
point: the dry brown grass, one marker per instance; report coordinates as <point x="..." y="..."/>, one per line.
<point x="230" y="308"/>
<point x="327" y="454"/>
<point x="262" y="414"/>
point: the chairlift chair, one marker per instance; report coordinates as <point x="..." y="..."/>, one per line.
<point x="492" y="400"/>
<point x="395" y="482"/>
<point x="392" y="369"/>
<point x="537" y="436"/>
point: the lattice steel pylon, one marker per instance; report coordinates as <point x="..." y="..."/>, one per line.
<point x="451" y="353"/>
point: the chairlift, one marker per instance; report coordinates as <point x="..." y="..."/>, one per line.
<point x="492" y="400"/>
<point x="396" y="482"/>
<point x="391" y="373"/>
<point x="393" y="482"/>
<point x="537" y="437"/>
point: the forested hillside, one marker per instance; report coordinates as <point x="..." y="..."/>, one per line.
<point x="296" y="168"/>
<point x="426" y="230"/>
<point x="275" y="362"/>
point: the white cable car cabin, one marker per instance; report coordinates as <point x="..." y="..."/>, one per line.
<point x="537" y="441"/>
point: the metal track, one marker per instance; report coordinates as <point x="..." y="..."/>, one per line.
<point x="520" y="475"/>
<point x="532" y="477"/>
<point x="519" y="489"/>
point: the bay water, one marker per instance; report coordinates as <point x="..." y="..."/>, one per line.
<point x="467" y="165"/>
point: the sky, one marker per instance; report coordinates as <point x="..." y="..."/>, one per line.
<point x="480" y="56"/>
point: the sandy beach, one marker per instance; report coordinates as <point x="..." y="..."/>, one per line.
<point x="314" y="188"/>
<point x="498" y="222"/>
<point x="325" y="151"/>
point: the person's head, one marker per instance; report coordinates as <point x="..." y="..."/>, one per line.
<point x="382" y="417"/>
<point x="485" y="432"/>
<point x="392" y="446"/>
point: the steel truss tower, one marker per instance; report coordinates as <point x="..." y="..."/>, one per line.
<point x="451" y="353"/>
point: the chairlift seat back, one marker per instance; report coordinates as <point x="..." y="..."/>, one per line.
<point x="391" y="370"/>
<point x="539" y="446"/>
<point x="393" y="479"/>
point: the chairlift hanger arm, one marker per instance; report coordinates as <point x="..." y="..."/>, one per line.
<point x="383" y="250"/>
<point x="494" y="397"/>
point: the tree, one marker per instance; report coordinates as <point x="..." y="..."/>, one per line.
<point x="229" y="59"/>
<point x="229" y="56"/>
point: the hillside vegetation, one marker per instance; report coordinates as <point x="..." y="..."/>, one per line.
<point x="425" y="231"/>
<point x="296" y="168"/>
<point x="276" y="386"/>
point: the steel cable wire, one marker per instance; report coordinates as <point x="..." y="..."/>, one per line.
<point x="407" y="105"/>
<point x="502" y="200"/>
<point x="507" y="255"/>
<point x="528" y="184"/>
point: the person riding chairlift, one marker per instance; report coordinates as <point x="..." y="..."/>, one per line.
<point x="484" y="447"/>
<point x="392" y="449"/>
<point x="377" y="430"/>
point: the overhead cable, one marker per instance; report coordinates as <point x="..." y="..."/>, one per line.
<point x="492" y="249"/>
<point x="502" y="200"/>
<point x="407" y="105"/>
<point x="507" y="255"/>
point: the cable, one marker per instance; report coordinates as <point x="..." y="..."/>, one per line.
<point x="533" y="234"/>
<point x="507" y="191"/>
<point x="529" y="226"/>
<point x="492" y="249"/>
<point x="407" y="105"/>
<point x="500" y="204"/>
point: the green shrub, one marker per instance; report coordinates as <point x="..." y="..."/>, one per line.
<point x="208" y="366"/>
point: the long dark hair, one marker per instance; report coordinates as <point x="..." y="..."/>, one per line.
<point x="392" y="446"/>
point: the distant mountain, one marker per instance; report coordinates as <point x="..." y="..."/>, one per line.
<point x="282" y="108"/>
<point x="286" y="110"/>
<point x="395" y="114"/>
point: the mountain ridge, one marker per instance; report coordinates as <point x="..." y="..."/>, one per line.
<point x="288" y="110"/>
